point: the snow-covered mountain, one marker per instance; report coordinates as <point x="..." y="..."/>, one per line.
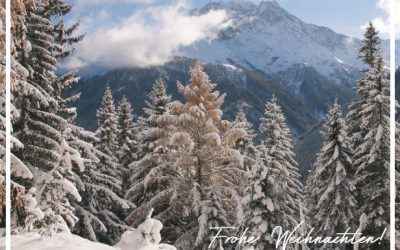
<point x="267" y="51"/>
<point x="267" y="37"/>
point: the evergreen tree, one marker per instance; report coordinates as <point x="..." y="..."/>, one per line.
<point x="370" y="46"/>
<point x="249" y="152"/>
<point x="330" y="188"/>
<point x="99" y="210"/>
<point x="18" y="79"/>
<point x="371" y="157"/>
<point x="275" y="191"/>
<point x="126" y="139"/>
<point x="55" y="191"/>
<point x="153" y="181"/>
<point x="106" y="179"/>
<point x="245" y="145"/>
<point x="107" y="123"/>
<point x="156" y="105"/>
<point x="107" y="133"/>
<point x="40" y="128"/>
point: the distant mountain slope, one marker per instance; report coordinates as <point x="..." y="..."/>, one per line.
<point x="251" y="92"/>
<point x="247" y="88"/>
<point x="315" y="90"/>
<point x="306" y="149"/>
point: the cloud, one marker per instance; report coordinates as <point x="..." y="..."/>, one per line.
<point x="149" y="36"/>
<point x="383" y="23"/>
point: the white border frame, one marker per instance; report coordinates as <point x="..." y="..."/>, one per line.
<point x="392" y="16"/>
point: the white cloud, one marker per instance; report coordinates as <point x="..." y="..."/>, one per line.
<point x="383" y="23"/>
<point x="150" y="36"/>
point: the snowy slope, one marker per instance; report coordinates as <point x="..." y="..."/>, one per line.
<point x="269" y="38"/>
<point x="66" y="241"/>
<point x="145" y="237"/>
<point x="63" y="241"/>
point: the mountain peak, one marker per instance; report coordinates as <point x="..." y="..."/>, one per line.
<point x="265" y="36"/>
<point x="241" y="5"/>
<point x="235" y="5"/>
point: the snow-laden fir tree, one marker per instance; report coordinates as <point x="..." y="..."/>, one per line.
<point x="126" y="139"/>
<point x="370" y="46"/>
<point x="274" y="191"/>
<point x="40" y="128"/>
<point x="55" y="191"/>
<point x="249" y="152"/>
<point x="372" y="156"/>
<point x="18" y="78"/>
<point x="330" y="186"/>
<point x="152" y="181"/>
<point x="100" y="220"/>
<point x="22" y="206"/>
<point x="97" y="220"/>
<point x="156" y="105"/>
<point x="107" y="124"/>
<point x="108" y="174"/>
<point x="65" y="39"/>
<point x="98" y="210"/>
<point x="209" y="170"/>
<point x="245" y="145"/>
<point x="107" y="133"/>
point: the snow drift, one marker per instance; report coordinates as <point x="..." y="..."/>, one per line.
<point x="145" y="237"/>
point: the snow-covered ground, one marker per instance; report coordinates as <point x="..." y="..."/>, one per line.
<point x="62" y="241"/>
<point x="66" y="241"/>
<point x="145" y="237"/>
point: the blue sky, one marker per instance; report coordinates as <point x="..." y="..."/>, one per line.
<point x="343" y="16"/>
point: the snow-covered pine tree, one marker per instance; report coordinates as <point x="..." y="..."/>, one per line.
<point x="153" y="180"/>
<point x="245" y="145"/>
<point x="330" y="188"/>
<point x="97" y="220"/>
<point x="275" y="191"/>
<point x="372" y="156"/>
<point x="109" y="171"/>
<point x="37" y="108"/>
<point x="97" y="211"/>
<point x="65" y="39"/>
<point x="249" y="152"/>
<point x="107" y="132"/>
<point x="258" y="201"/>
<point x="156" y="105"/>
<point x="40" y="128"/>
<point x="22" y="206"/>
<point x="370" y="46"/>
<point x="55" y="191"/>
<point x="210" y="170"/>
<point x="127" y="141"/>
<point x="107" y="129"/>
